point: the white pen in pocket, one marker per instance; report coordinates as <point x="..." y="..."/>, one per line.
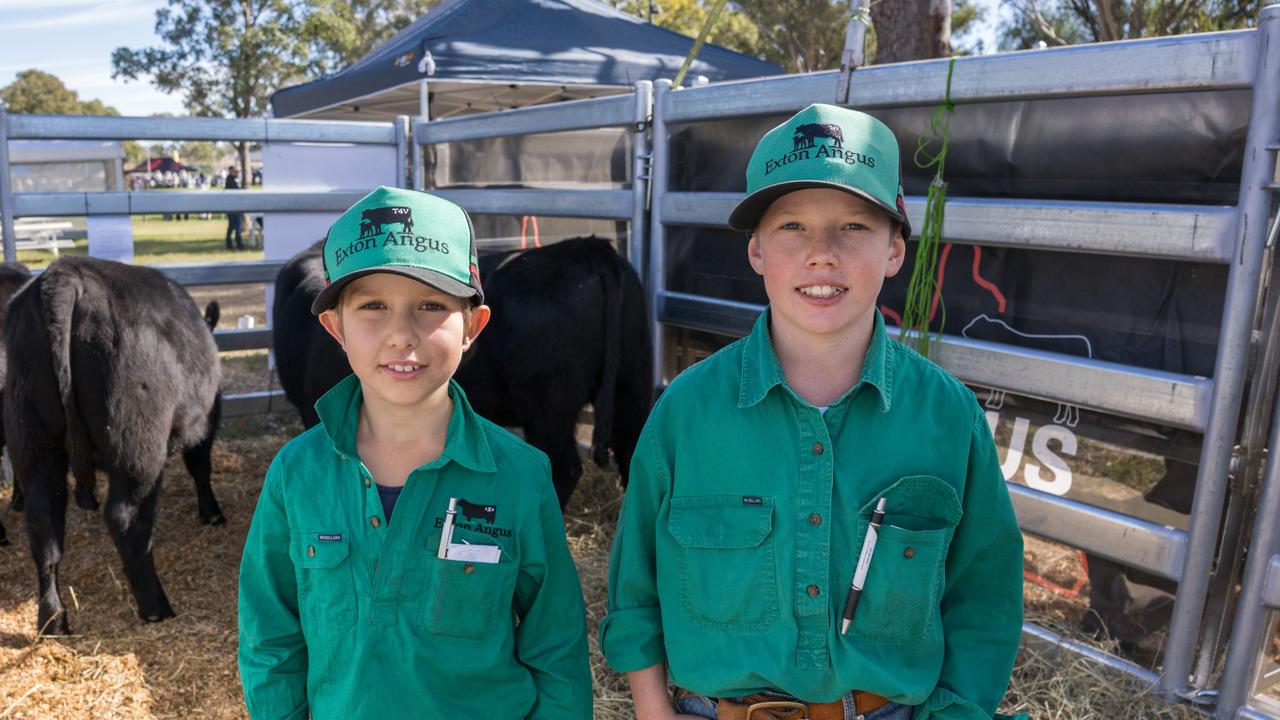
<point x="446" y="531"/>
<point x="864" y="564"/>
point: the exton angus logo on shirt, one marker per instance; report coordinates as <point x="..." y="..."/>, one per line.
<point x="372" y="222"/>
<point x="805" y="146"/>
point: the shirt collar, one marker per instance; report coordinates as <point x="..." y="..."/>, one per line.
<point x="465" y="443"/>
<point x="761" y="371"/>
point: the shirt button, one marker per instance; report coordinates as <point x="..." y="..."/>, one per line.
<point x="311" y="551"/>
<point x="814" y="591"/>
<point x="815" y="519"/>
<point x="909" y="553"/>
<point x="374" y="521"/>
<point x="367" y="483"/>
<point x="468" y="568"/>
<point x="817" y="448"/>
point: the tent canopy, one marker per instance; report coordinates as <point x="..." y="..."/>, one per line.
<point x="159" y="164"/>
<point x="484" y="55"/>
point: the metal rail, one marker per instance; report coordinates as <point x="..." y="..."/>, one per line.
<point x="615" y="111"/>
<point x="1171" y="232"/>
<point x="607" y="204"/>
<point x="260" y="130"/>
<point x="1191" y="62"/>
<point x="141" y="203"/>
<point x="1231" y="365"/>
<point x="1150" y="395"/>
<point x="1259" y="589"/>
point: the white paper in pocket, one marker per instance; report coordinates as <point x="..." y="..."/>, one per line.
<point x="474" y="553"/>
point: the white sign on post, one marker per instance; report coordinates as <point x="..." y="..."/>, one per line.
<point x="316" y="168"/>
<point x="110" y="237"/>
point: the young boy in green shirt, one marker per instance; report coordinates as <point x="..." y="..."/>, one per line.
<point x="761" y="468"/>
<point x="467" y="604"/>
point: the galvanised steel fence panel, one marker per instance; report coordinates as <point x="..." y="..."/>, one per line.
<point x="1169" y="232"/>
<point x="631" y="111"/>
<point x="1190" y="62"/>
<point x="262" y="130"/>
<point x="1233" y="236"/>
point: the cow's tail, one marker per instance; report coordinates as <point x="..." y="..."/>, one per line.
<point x="59" y="301"/>
<point x="606" y="397"/>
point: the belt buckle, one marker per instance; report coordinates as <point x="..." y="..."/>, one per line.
<point x="778" y="705"/>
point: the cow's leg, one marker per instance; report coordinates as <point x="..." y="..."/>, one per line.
<point x="631" y="409"/>
<point x="200" y="464"/>
<point x="45" y="487"/>
<point x="555" y="438"/>
<point x="131" y="519"/>
<point x="86" y="483"/>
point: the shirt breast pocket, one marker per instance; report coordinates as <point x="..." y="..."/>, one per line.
<point x="326" y="586"/>
<point x="899" y="603"/>
<point x="727" y="568"/>
<point x="465" y="599"/>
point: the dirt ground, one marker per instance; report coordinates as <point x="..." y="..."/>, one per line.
<point x="117" y="667"/>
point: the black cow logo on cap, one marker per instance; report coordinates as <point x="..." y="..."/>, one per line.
<point x="806" y="135"/>
<point x="471" y="511"/>
<point x="372" y="220"/>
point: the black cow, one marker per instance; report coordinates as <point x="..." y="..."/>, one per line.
<point x="12" y="277"/>
<point x="472" y="511"/>
<point x="806" y="135"/>
<point x="110" y="367"/>
<point x="568" y="329"/>
<point x="372" y="220"/>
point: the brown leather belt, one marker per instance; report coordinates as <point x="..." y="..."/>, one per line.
<point x="770" y="707"/>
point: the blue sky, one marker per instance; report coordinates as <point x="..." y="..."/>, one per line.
<point x="73" y="39"/>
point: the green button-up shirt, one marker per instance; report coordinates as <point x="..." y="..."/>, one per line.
<point x="745" y="514"/>
<point x="344" y="615"/>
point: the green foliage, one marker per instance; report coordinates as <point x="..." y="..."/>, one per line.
<point x="226" y="57"/>
<point x="732" y="30"/>
<point x="1068" y="22"/>
<point x="36" y="92"/>
<point x="339" y="32"/>
<point x="801" y="35"/>
<point x="966" y="17"/>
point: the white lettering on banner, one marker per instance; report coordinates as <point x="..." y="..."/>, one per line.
<point x="1060" y="482"/>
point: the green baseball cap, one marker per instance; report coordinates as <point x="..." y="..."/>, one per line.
<point x="824" y="146"/>
<point x="405" y="232"/>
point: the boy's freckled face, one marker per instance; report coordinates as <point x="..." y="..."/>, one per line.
<point x="404" y="339"/>
<point x="824" y="255"/>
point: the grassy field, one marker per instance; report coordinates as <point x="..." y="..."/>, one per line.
<point x="160" y="241"/>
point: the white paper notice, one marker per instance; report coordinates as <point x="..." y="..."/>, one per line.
<point x="474" y="553"/>
<point x="110" y="237"/>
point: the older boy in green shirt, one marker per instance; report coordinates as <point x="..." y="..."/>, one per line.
<point x="756" y="477"/>
<point x="345" y="613"/>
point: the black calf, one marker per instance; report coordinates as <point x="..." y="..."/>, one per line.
<point x="110" y="366"/>
<point x="568" y="330"/>
<point x="12" y="277"/>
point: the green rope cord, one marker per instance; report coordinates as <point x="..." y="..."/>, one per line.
<point x="923" y="284"/>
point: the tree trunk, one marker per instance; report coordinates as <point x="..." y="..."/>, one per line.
<point x="911" y="30"/>
<point x="246" y="176"/>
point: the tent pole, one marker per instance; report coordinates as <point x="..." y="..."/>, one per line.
<point x="424" y="101"/>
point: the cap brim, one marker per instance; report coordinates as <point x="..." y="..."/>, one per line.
<point x="329" y="296"/>
<point x="748" y="212"/>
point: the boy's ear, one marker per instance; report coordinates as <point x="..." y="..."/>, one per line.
<point x="897" y="255"/>
<point x="479" y="319"/>
<point x="332" y="323"/>
<point x="754" y="255"/>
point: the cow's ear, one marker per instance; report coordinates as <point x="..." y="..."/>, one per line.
<point x="479" y="318"/>
<point x="332" y="323"/>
